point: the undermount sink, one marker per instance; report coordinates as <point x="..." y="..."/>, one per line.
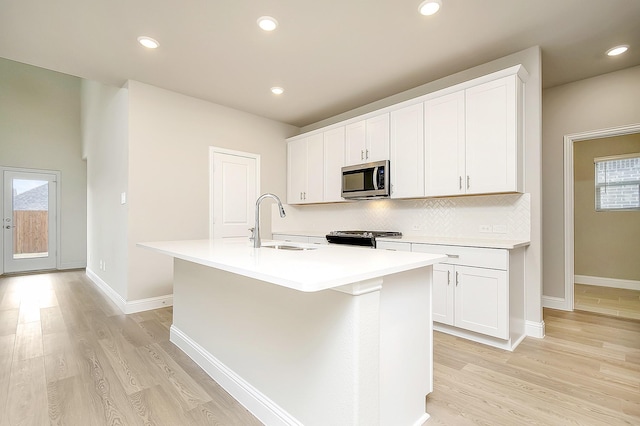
<point x="287" y="247"/>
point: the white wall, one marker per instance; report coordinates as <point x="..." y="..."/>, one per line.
<point x="601" y="102"/>
<point x="531" y="59"/>
<point x="40" y="129"/>
<point x="105" y="145"/>
<point x="168" y="194"/>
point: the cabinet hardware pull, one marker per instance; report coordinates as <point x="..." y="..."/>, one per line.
<point x="467" y="181"/>
<point x="367" y="156"/>
<point x="301" y="196"/>
<point x="457" y="279"/>
<point x="460" y="183"/>
<point x="362" y="154"/>
<point x="453" y="256"/>
<point x="448" y="277"/>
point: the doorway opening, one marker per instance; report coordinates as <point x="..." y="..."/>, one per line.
<point x="30" y="220"/>
<point x="569" y="210"/>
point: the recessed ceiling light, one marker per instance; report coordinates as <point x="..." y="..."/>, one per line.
<point x="618" y="50"/>
<point x="267" y="23"/>
<point x="277" y="90"/>
<point x="148" y="42"/>
<point x="429" y="7"/>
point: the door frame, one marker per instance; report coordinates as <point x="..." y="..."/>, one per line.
<point x="57" y="173"/>
<point x="217" y="150"/>
<point x="569" y="243"/>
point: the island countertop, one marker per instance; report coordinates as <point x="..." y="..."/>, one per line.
<point x="321" y="267"/>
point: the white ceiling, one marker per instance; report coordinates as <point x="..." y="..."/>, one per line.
<point x="330" y="55"/>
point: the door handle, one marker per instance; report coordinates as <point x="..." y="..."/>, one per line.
<point x="375" y="178"/>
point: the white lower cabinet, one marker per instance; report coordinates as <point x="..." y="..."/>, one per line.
<point x="478" y="293"/>
<point x="481" y="301"/>
<point x="470" y="290"/>
<point x="443" y="293"/>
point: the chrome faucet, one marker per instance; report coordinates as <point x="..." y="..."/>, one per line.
<point x="255" y="236"/>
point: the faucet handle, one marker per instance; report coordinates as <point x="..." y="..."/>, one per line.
<point x="253" y="234"/>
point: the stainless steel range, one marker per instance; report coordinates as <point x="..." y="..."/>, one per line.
<point x="360" y="238"/>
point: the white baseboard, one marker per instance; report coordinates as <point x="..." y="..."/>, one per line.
<point x="507" y="345"/>
<point x="607" y="282"/>
<point x="133" y="306"/>
<point x="107" y="290"/>
<point x="534" y="329"/>
<point x="267" y="411"/>
<point x="72" y="265"/>
<point x="422" y="420"/>
<point x="551" y="302"/>
<point x="149" y="304"/>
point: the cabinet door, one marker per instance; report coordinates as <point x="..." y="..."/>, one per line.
<point x="377" y="138"/>
<point x="296" y="171"/>
<point x="355" y="142"/>
<point x="407" y="152"/>
<point x="491" y="142"/>
<point x="443" y="293"/>
<point x="481" y="301"/>
<point x="445" y="145"/>
<point x="333" y="162"/>
<point x="315" y="169"/>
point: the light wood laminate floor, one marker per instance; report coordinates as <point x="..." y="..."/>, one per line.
<point x="69" y="357"/>
<point x="618" y="302"/>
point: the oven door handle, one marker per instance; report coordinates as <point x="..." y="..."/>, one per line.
<point x="375" y="178"/>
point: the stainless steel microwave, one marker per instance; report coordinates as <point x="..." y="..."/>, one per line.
<point x="370" y="180"/>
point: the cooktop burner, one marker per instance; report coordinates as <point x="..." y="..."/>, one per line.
<point x="360" y="238"/>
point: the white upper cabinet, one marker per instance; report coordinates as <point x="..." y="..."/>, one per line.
<point x="333" y="163"/>
<point x="445" y="145"/>
<point x="462" y="140"/>
<point x="493" y="143"/>
<point x="367" y="140"/>
<point x="305" y="170"/>
<point x="407" y="152"/>
<point x="473" y="140"/>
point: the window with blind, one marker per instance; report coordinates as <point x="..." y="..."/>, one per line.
<point x="618" y="182"/>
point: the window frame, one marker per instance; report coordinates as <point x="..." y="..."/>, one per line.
<point x="598" y="186"/>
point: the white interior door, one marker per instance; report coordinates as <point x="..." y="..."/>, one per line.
<point x="29" y="221"/>
<point x="235" y="190"/>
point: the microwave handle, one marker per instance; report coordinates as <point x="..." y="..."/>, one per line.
<point x="375" y="178"/>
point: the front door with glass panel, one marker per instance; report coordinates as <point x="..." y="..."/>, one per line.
<point x="29" y="221"/>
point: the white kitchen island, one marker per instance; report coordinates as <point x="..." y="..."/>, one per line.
<point x="330" y="336"/>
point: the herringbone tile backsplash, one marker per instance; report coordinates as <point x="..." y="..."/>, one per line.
<point x="441" y="217"/>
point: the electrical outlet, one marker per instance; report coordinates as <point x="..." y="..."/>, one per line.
<point x="101" y="265"/>
<point x="499" y="229"/>
<point x="485" y="229"/>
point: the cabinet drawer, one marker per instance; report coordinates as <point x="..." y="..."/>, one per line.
<point x="393" y="245"/>
<point x="468" y="256"/>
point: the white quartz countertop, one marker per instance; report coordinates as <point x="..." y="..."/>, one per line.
<point x="426" y="239"/>
<point x="466" y="242"/>
<point x="324" y="267"/>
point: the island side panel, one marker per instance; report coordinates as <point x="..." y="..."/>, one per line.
<point x="306" y="352"/>
<point x="406" y="341"/>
